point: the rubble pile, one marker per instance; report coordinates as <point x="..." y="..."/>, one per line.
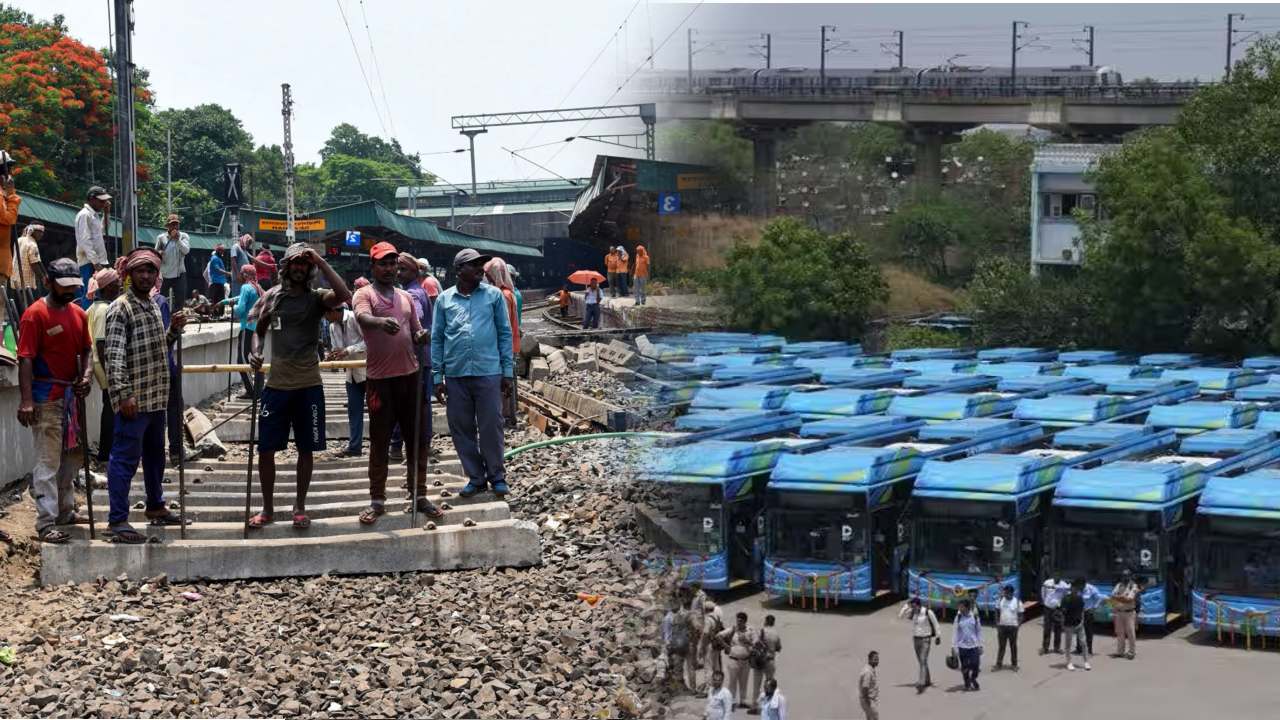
<point x="573" y="638"/>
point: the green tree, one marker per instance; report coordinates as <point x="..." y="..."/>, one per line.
<point x="930" y="229"/>
<point x="346" y="139"/>
<point x="1010" y="307"/>
<point x="801" y="282"/>
<point x="1172" y="265"/>
<point x="205" y="137"/>
<point x="716" y="145"/>
<point x="1235" y="128"/>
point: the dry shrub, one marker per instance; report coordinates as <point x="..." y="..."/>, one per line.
<point x="910" y="294"/>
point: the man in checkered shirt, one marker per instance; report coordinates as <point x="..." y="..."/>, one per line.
<point x="137" y="368"/>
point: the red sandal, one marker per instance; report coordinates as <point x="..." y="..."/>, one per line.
<point x="260" y="520"/>
<point x="301" y="521"/>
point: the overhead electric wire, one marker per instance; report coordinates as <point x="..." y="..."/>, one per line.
<point x="360" y="63"/>
<point x="377" y="71"/>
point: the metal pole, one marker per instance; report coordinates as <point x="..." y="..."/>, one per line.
<point x="452" y="224"/>
<point x="253" y="434"/>
<point x="1013" y="56"/>
<point x="124" y="121"/>
<point x="822" y="61"/>
<point x="231" y="320"/>
<point x="287" y="112"/>
<point x="168" y="176"/>
<point x="900" y="48"/>
<point x="182" y="450"/>
<point x="417" y="450"/>
<point x="84" y="451"/>
<point x="689" y="52"/>
<point x="471" y="139"/>
<point x="1231" y="17"/>
<point x="768" y="50"/>
<point x="1090" y="46"/>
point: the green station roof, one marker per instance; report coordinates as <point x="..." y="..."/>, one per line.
<point x="52" y="212"/>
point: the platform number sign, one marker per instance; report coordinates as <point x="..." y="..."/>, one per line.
<point x="353" y="238"/>
<point x="668" y="203"/>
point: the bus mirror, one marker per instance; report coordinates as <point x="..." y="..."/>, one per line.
<point x="846" y="533"/>
<point x="708" y="524"/>
<point x="1145" y="557"/>
<point x="997" y="543"/>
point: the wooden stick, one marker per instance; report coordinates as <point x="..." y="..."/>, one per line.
<point x="84" y="449"/>
<point x="244" y="368"/>
<point x="256" y="379"/>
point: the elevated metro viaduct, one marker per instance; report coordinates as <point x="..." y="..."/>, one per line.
<point x="931" y="118"/>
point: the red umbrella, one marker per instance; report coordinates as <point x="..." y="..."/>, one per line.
<point x="584" y="277"/>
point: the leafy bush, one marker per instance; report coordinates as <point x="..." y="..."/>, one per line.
<point x="1010" y="307"/>
<point x="916" y="336"/>
<point x="801" y="283"/>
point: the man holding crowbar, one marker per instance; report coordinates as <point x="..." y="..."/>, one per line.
<point x="392" y="331"/>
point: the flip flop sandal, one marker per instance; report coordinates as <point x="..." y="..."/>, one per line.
<point x="127" y="536"/>
<point x="371" y="515"/>
<point x="168" y="520"/>
<point x="301" y="521"/>
<point x="54" y="537"/>
<point x="260" y="520"/>
<point x="430" y="510"/>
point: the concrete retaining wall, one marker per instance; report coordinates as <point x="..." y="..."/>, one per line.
<point x="202" y="344"/>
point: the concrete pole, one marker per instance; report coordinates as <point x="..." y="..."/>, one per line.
<point x="764" y="186"/>
<point x="124" y="122"/>
<point x="471" y="138"/>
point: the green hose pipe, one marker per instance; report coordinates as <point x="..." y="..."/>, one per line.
<point x="576" y="438"/>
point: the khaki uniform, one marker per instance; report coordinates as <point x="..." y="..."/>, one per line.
<point x="739" y="642"/>
<point x="760" y="675"/>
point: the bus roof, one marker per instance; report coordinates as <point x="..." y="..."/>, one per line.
<point x="1254" y="494"/>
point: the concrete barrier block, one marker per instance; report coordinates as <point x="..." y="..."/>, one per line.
<point x="539" y="369"/>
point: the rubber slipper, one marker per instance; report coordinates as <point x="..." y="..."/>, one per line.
<point x="260" y="520"/>
<point x="127" y="536"/>
<point x="371" y="515"/>
<point x="54" y="537"/>
<point x="169" y="520"/>
<point x="430" y="509"/>
<point x="301" y="521"/>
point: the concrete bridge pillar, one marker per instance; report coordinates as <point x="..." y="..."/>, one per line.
<point x="929" y="144"/>
<point x="764" y="180"/>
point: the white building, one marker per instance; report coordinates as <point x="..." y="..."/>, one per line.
<point x="1058" y="189"/>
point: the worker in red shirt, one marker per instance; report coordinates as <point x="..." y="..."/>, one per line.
<point x="265" y="265"/>
<point x="53" y="337"/>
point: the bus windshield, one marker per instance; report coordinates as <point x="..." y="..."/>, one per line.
<point x="1241" y="556"/>
<point x="1101" y="553"/>
<point x="981" y="546"/>
<point x="812" y="526"/>
<point x="685" y="518"/>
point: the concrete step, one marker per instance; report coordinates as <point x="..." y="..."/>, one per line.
<point x="200" y="495"/>
<point x="336" y="426"/>
<point x="282" y="528"/>
<point x="232" y="471"/>
<point x="358" y="464"/>
<point x="234" y="512"/>
<point x="497" y="543"/>
<point x="237" y="485"/>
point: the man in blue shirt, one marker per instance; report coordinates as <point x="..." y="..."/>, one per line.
<point x="1092" y="599"/>
<point x="473" y="369"/>
<point x="216" y="275"/>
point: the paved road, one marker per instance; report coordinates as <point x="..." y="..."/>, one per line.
<point x="1178" y="675"/>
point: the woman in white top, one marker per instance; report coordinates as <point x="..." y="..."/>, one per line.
<point x="924" y="630"/>
<point x="591" y="306"/>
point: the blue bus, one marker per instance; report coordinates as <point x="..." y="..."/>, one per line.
<point x="978" y="522"/>
<point x="1237" y="543"/>
<point x="1138" y="516"/>
<point x="834" y="513"/>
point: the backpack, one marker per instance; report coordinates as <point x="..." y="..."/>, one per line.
<point x="679" y="642"/>
<point x="761" y="654"/>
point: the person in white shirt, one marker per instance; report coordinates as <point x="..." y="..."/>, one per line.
<point x="346" y="342"/>
<point x="91" y="247"/>
<point x="1009" y="611"/>
<point x="924" y="631"/>
<point x="591" y="306"/>
<point x="173" y="246"/>
<point x="719" y="699"/>
<point x="1051" y="595"/>
<point x="773" y="706"/>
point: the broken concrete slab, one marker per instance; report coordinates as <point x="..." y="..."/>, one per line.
<point x="539" y="369"/>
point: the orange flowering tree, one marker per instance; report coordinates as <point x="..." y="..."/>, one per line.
<point x="55" y="109"/>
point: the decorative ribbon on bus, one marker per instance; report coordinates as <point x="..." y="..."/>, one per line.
<point x="803" y="584"/>
<point x="949" y="596"/>
<point x="1250" y="621"/>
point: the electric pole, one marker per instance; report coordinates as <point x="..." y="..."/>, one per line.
<point x="689" y="51"/>
<point x="1090" y="29"/>
<point x="766" y="50"/>
<point x="1013" y="52"/>
<point x="1231" y="31"/>
<point x="124" y="124"/>
<point x="168" y="173"/>
<point x="287" y="112"/>
<point x="900" y="49"/>
<point x="822" y="60"/>
<point x="471" y="138"/>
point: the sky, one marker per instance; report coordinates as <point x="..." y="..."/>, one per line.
<point x="442" y="58"/>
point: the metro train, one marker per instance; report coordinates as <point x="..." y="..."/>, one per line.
<point x="962" y="78"/>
